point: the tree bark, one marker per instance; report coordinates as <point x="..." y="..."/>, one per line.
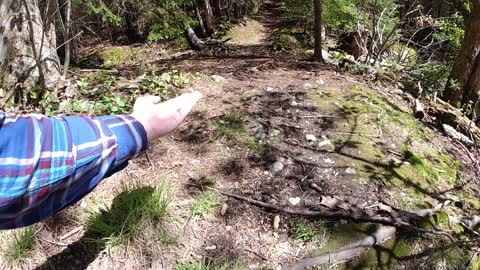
<point x="208" y="17"/>
<point x="28" y="57"/>
<point x="466" y="70"/>
<point x="317" y="55"/>
<point x="199" y="18"/>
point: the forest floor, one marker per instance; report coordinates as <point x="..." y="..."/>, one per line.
<point x="270" y="126"/>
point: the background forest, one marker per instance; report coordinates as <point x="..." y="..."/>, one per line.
<point x="333" y="134"/>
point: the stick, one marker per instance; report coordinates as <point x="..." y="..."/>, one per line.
<point x="72" y="232"/>
<point x="331" y="214"/>
<point x="419" y="113"/>
<point x="349" y="251"/>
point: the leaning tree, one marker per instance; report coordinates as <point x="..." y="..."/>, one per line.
<point x="29" y="65"/>
<point x="466" y="70"/>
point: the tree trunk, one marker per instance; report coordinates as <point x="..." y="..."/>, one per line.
<point x="28" y="58"/>
<point x="199" y="18"/>
<point x="318" y="30"/>
<point x="466" y="70"/>
<point x="208" y="16"/>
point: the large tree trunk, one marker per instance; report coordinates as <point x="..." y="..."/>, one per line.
<point x="466" y="70"/>
<point x="318" y="30"/>
<point x="28" y="58"/>
<point x="209" y="21"/>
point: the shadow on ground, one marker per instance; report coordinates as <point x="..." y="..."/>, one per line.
<point x="80" y="254"/>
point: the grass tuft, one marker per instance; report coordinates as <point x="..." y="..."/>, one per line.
<point x="231" y="126"/>
<point x="309" y="231"/>
<point x="205" y="265"/>
<point x="205" y="203"/>
<point x="21" y="243"/>
<point x="134" y="212"/>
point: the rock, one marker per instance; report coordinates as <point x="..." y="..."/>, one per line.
<point x="351" y="171"/>
<point x="277" y="167"/>
<point x="311" y="138"/>
<point x="228" y="227"/>
<point x="452" y="133"/>
<point x="251" y="93"/>
<point x="326" y="145"/>
<point x="166" y="77"/>
<point x="276" y="222"/>
<point x="329" y="161"/>
<point x="212" y="247"/>
<point x="393" y="161"/>
<point x="307" y="86"/>
<point x="224" y="209"/>
<point x="218" y="78"/>
<point x="294" y="200"/>
<point x="293" y="103"/>
<point x="269" y="89"/>
<point x="258" y="131"/>
<point x="275" y="133"/>
<point x="320" y="82"/>
<point x="193" y="162"/>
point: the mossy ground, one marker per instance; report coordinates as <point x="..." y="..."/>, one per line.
<point x="388" y="147"/>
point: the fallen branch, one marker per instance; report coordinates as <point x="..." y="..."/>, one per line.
<point x="402" y="222"/>
<point x="381" y="235"/>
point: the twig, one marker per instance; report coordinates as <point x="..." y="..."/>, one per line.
<point x="328" y="213"/>
<point x="72" y="232"/>
<point x="53" y="242"/>
<point x="318" y="116"/>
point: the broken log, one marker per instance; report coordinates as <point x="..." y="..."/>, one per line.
<point x="418" y="109"/>
<point x="195" y="42"/>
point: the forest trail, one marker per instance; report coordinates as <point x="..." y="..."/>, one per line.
<point x="272" y="127"/>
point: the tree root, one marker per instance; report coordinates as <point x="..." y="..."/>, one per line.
<point x="347" y="252"/>
<point x="403" y="222"/>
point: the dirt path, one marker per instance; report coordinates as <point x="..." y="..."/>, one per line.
<point x="268" y="127"/>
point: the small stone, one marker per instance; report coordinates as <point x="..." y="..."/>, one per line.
<point x="259" y="131"/>
<point x="326" y="145"/>
<point x="276" y="222"/>
<point x="218" y="78"/>
<point x="351" y="171"/>
<point x="320" y="82"/>
<point x="275" y="133"/>
<point x="328" y="161"/>
<point x="212" y="247"/>
<point x="193" y="162"/>
<point x="269" y="89"/>
<point x="311" y="138"/>
<point x="307" y="86"/>
<point x="166" y="77"/>
<point x="293" y="103"/>
<point x="277" y="167"/>
<point x="251" y="94"/>
<point x="294" y="200"/>
<point x="224" y="209"/>
<point x="228" y="228"/>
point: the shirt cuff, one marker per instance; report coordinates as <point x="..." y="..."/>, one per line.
<point x="130" y="135"/>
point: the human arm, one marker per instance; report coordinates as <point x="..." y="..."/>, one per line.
<point x="47" y="164"/>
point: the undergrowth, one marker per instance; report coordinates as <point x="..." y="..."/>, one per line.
<point x="17" y="246"/>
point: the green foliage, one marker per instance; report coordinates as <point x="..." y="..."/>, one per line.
<point x="98" y="7"/>
<point x="231" y="126"/>
<point x="133" y="209"/>
<point x="205" y="265"/>
<point x="309" y="231"/>
<point x="452" y="29"/>
<point x="205" y="203"/>
<point x="22" y="241"/>
<point x="168" y="18"/>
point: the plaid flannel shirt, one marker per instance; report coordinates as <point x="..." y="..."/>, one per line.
<point x="47" y="164"/>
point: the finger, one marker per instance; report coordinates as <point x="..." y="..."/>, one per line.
<point x="184" y="102"/>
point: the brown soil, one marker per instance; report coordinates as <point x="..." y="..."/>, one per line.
<point x="261" y="84"/>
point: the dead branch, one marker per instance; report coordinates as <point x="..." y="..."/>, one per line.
<point x="347" y="252"/>
<point x="403" y="222"/>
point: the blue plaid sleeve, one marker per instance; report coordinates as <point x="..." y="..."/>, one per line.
<point x="47" y="164"/>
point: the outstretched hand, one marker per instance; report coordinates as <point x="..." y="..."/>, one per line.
<point x="159" y="119"/>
